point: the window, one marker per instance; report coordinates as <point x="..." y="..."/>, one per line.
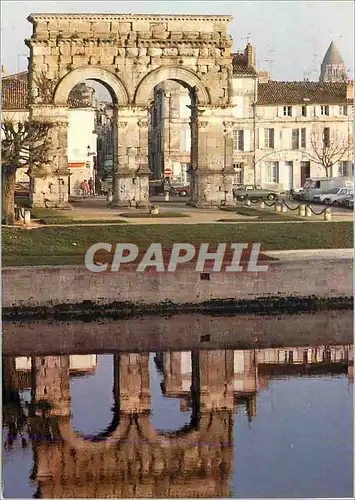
<point x="239" y="173"/>
<point x="269" y="138"/>
<point x="326" y="137"/>
<point x="287" y="110"/>
<point x="324" y="110"/>
<point x="295" y="138"/>
<point x="238" y="140"/>
<point x="304" y="110"/>
<point x="272" y="171"/>
<point x="343" y="169"/>
<point x="343" y="110"/>
<point x="303" y="137"/>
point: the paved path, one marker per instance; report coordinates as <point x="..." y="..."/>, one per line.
<point x="96" y="208"/>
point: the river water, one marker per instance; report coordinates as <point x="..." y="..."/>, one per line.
<point x="257" y="423"/>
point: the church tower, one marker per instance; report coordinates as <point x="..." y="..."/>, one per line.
<point x="333" y="68"/>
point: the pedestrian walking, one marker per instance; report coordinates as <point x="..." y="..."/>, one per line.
<point x="84" y="186"/>
<point x="91" y="187"/>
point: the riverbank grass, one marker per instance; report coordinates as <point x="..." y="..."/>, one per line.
<point x="67" y="245"/>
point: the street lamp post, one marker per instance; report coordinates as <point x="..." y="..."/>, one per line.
<point x="89" y="153"/>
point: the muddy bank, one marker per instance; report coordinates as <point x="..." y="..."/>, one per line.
<point x="177" y="332"/>
<point x="91" y="311"/>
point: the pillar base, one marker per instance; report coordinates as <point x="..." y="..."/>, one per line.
<point x="227" y="203"/>
<point x="203" y="204"/>
<point x="143" y="204"/>
<point x="120" y="204"/>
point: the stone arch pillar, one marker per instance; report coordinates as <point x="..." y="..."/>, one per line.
<point x="131" y="172"/>
<point x="131" y="383"/>
<point x="228" y="169"/>
<point x="212" y="170"/>
<point x="50" y="386"/>
<point x="50" y="181"/>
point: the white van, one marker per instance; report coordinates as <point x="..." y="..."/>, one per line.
<point x="322" y="185"/>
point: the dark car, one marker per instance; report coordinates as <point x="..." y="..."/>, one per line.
<point x="22" y="193"/>
<point x="254" y="192"/>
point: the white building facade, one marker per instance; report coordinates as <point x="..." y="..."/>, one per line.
<point x="279" y="128"/>
<point x="82" y="141"/>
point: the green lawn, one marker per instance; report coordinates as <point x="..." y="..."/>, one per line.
<point x="67" y="245"/>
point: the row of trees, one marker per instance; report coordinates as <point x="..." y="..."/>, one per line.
<point x="28" y="144"/>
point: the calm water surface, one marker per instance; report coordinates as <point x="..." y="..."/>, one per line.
<point x="258" y="423"/>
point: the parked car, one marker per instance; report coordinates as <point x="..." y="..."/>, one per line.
<point x="254" y="192"/>
<point x="296" y="194"/>
<point x="347" y="201"/>
<point x="322" y="185"/>
<point x="22" y="193"/>
<point x="333" y="196"/>
<point x="181" y="190"/>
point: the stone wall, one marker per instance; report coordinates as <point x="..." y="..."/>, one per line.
<point x="46" y="286"/>
<point x="131" y="46"/>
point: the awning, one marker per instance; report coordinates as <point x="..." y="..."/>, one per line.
<point x="76" y="165"/>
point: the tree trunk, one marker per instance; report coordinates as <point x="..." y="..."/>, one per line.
<point x="8" y="196"/>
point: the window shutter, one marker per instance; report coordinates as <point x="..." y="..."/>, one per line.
<point x="303" y="138"/>
<point x="280" y="111"/>
<point x="183" y="140"/>
<point x="261" y="142"/>
<point x="247" y="145"/>
<point x="272" y="138"/>
<point x="241" y="140"/>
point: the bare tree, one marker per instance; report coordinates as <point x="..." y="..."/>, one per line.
<point x="24" y="144"/>
<point x="327" y="149"/>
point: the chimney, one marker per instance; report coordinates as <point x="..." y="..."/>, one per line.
<point x="350" y="90"/>
<point x="249" y="53"/>
<point x="263" y="76"/>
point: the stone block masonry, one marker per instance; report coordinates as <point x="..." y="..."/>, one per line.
<point x="71" y="286"/>
<point x="130" y="55"/>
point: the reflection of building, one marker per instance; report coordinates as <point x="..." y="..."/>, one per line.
<point x="79" y="364"/>
<point x="130" y="458"/>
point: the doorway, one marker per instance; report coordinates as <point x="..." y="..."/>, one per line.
<point x="305" y="171"/>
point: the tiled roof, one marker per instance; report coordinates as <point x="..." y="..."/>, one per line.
<point x="284" y="93"/>
<point x="240" y="66"/>
<point x="14" y="91"/>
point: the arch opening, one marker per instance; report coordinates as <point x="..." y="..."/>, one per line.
<point x="170" y="138"/>
<point x="183" y="76"/>
<point x="110" y="81"/>
<point x="91" y="99"/>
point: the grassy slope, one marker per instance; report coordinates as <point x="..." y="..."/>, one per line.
<point x="67" y="245"/>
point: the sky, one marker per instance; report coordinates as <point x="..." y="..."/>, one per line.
<point x="294" y="35"/>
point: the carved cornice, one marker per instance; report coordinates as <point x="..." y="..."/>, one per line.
<point x="202" y="124"/>
<point x="121" y="125"/>
<point x="228" y="125"/>
<point x="143" y="123"/>
<point x="126" y="17"/>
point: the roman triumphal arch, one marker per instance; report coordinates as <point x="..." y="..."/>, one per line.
<point x="130" y="55"/>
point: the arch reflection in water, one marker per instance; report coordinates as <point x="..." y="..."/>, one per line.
<point x="131" y="458"/>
